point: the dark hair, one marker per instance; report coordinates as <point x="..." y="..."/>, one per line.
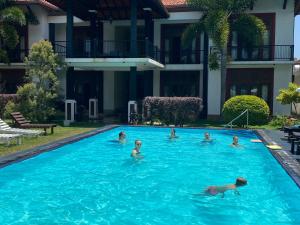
<point x="121" y="133"/>
<point x="240" y="181"/>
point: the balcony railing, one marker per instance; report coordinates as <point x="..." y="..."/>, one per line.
<point x="182" y="57"/>
<point x="109" y="49"/>
<point x="261" y="53"/>
<point x="17" y="55"/>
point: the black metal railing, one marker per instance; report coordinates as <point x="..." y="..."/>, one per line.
<point x="60" y="48"/>
<point x="260" y="53"/>
<point x="108" y="49"/>
<point x="182" y="56"/>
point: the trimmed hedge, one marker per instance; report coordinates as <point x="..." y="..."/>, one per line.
<point x="4" y="99"/>
<point x="172" y="110"/>
<point x="259" y="110"/>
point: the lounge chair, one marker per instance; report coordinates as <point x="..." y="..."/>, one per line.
<point x="7" y="138"/>
<point x="6" y="129"/>
<point x="21" y="122"/>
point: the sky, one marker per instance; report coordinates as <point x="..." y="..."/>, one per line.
<point x="297" y="37"/>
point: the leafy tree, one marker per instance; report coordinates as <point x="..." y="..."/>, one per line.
<point x="10" y="18"/>
<point x="289" y="95"/>
<point x="220" y="17"/>
<point x="38" y="96"/>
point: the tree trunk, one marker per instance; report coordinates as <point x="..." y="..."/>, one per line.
<point x="223" y="76"/>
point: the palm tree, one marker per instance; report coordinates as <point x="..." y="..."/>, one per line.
<point x="10" y="17"/>
<point x="220" y="18"/>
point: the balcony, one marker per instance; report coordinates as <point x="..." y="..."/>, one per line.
<point x="109" y="55"/>
<point x="262" y="53"/>
<point x="182" y="57"/>
<point x="17" y="55"/>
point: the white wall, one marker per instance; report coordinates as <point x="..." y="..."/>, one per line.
<point x="282" y="78"/>
<point x="156" y="83"/>
<point x="214" y="93"/>
<point x="40" y="31"/>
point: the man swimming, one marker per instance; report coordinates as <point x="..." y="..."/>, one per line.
<point x="207" y="137"/>
<point x="235" y="142"/>
<point x="136" y="153"/>
<point x="122" y="137"/>
<point x="215" y="190"/>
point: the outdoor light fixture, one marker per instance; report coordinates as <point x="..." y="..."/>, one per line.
<point x="147" y="9"/>
<point x="92" y="11"/>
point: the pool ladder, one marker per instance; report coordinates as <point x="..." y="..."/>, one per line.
<point x="230" y="124"/>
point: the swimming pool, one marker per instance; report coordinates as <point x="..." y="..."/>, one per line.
<point x="94" y="181"/>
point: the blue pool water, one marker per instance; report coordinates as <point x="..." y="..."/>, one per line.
<point x="94" y="181"/>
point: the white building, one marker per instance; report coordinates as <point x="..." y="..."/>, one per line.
<point x="110" y="55"/>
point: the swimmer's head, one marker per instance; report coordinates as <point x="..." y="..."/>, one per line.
<point x="207" y="136"/>
<point x="240" y="181"/>
<point x="138" y="144"/>
<point x="122" y="135"/>
<point x="235" y="140"/>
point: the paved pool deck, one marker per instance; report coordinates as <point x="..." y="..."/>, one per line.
<point x="290" y="162"/>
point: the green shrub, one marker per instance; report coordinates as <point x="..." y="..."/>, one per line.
<point x="172" y="110"/>
<point x="281" y="121"/>
<point x="259" y="110"/>
<point x="4" y="100"/>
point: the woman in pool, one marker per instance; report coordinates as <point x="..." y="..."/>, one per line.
<point x="215" y="190"/>
<point x="235" y="142"/>
<point x="136" y="153"/>
<point x="122" y="137"/>
<point x="173" y="134"/>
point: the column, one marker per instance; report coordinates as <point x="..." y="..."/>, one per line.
<point x="69" y="30"/>
<point x="133" y="49"/>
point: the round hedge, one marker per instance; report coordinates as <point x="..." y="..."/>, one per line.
<point x="259" y="110"/>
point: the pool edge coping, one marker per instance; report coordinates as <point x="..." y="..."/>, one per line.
<point x="32" y="152"/>
<point x="287" y="162"/>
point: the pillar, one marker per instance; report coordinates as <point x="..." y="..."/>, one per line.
<point x="69" y="30"/>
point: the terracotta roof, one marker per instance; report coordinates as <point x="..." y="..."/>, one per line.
<point x="43" y="3"/>
<point x="174" y="3"/>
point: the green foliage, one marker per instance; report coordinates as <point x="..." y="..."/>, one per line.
<point x="255" y="31"/>
<point x="11" y="17"/>
<point x="216" y="23"/>
<point x="38" y="96"/>
<point x="289" y="95"/>
<point x="213" y="61"/>
<point x="281" y="121"/>
<point x="259" y="110"/>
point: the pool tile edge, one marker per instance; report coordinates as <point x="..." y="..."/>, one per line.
<point x="29" y="153"/>
<point x="289" y="164"/>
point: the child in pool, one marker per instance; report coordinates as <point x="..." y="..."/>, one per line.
<point x="122" y="137"/>
<point x="214" y="190"/>
<point x="136" y="153"/>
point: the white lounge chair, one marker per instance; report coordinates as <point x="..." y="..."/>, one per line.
<point x="6" y="129"/>
<point x="7" y="138"/>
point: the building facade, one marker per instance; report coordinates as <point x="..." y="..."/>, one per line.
<point x="118" y="51"/>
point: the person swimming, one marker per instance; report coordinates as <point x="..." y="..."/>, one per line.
<point x="122" y="137"/>
<point x="207" y="137"/>
<point x="136" y="153"/>
<point x="173" y="133"/>
<point x="235" y="142"/>
<point x="215" y="190"/>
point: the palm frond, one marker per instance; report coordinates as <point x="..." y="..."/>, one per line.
<point x="201" y="5"/>
<point x="250" y="29"/>
<point x="218" y="28"/>
<point x="3" y="56"/>
<point x="13" y="15"/>
<point x="191" y="32"/>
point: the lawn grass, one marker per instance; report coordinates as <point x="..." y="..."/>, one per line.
<point x="60" y="132"/>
